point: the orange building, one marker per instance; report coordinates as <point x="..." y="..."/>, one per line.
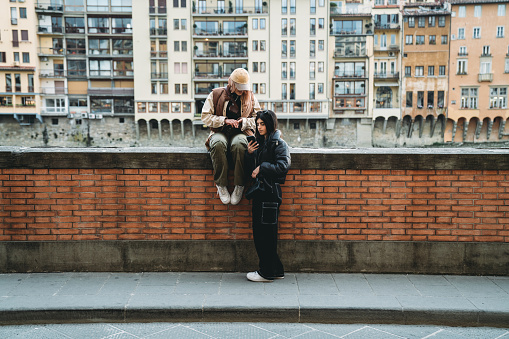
<point x="425" y="62"/>
<point x="479" y="63"/>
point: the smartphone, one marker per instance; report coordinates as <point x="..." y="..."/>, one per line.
<point x="250" y="138"/>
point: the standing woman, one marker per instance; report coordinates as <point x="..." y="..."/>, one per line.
<point x="267" y="160"/>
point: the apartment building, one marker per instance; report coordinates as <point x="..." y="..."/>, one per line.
<point x="387" y="59"/>
<point x="479" y="64"/>
<point x="18" y="63"/>
<point x="425" y="63"/>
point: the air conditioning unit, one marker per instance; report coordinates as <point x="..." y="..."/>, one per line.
<point x="16" y="63"/>
<point x="84" y="115"/>
<point x="41" y="17"/>
<point x="453" y="36"/>
<point x="391" y="54"/>
<point x="91" y="116"/>
<point x="44" y="58"/>
<point x="98" y="116"/>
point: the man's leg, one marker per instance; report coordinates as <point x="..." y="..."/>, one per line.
<point x="218" y="149"/>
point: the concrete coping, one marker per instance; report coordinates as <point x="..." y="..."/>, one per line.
<point x="197" y="158"/>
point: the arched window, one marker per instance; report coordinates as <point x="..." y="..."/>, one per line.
<point x="384" y="97"/>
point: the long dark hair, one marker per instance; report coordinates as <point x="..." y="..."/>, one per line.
<point x="270" y="120"/>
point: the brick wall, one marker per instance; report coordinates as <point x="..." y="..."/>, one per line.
<point x="87" y="203"/>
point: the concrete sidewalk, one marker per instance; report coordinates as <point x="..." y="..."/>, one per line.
<point x="229" y="297"/>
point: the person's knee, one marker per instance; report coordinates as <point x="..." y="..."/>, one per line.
<point x="239" y="144"/>
<point x="218" y="144"/>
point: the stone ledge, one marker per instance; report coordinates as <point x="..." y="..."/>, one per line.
<point x="197" y="158"/>
<point x="239" y="256"/>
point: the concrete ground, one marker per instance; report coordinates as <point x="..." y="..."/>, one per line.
<point x="247" y="331"/>
<point x="440" y="300"/>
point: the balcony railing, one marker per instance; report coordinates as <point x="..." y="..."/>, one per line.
<point x="205" y="75"/>
<point x="158" y="31"/>
<point x="199" y="54"/>
<point x="159" y="54"/>
<point x="156" y="75"/>
<point x="111" y="91"/>
<point x="462" y="54"/>
<point x="343" y="32"/>
<point x="49" y="7"/>
<point x="50" y="29"/>
<point x="50" y="73"/>
<point x="229" y="32"/>
<point x="352" y="74"/>
<point x="485" y="77"/>
<point x="349" y="54"/>
<point x="53" y="90"/>
<point x="386" y="26"/>
<point x="75" y="30"/>
<point x="51" y="51"/>
<point x="387" y="75"/>
<point x="231" y="10"/>
<point x="157" y="10"/>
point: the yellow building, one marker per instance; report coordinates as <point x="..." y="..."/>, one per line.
<point x="19" y="85"/>
<point x="479" y="64"/>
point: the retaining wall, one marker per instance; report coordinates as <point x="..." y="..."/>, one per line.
<point x="372" y="210"/>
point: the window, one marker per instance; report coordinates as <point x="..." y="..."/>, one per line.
<point x="255" y="88"/>
<point x="184" y="90"/>
<point x="469" y="98"/>
<point x="461" y="33"/>
<point x="444" y="39"/>
<point x="462" y="11"/>
<point x="292" y="70"/>
<point x="283" y="92"/>
<point x="163" y="87"/>
<point x="498" y="97"/>
<point x="477" y="11"/>
<point x="284" y="70"/>
<point x="176" y="46"/>
<point x="183" y="24"/>
<point x="176" y="24"/>
<point x="255" y="67"/>
<point x="462" y="67"/>
<point x="312" y="92"/>
<point x="24" y="35"/>
<point x="26" y="57"/>
<point x="176" y="68"/>
<point x="419" y="71"/>
<point x="76" y="68"/>
<point x="500" y="31"/>
<point x="321" y="23"/>
<point x="312" y="48"/>
<point x="262" y="67"/>
<point x="293" y="28"/>
<point x="409" y="39"/>
<point x="408" y="71"/>
<point x="419" y="39"/>
<point x="292" y="48"/>
<point x="312" y="6"/>
<point x="293" y="9"/>
<point x="501" y="10"/>
<point x="440" y="99"/>
<point x="2" y="57"/>
<point x="486" y="51"/>
<point x="98" y="46"/>
<point x="411" y="21"/>
<point x="409" y="97"/>
<point x="184" y="46"/>
<point x="175" y="107"/>
<point x="284" y="6"/>
<point x="284" y="28"/>
<point x="142" y="107"/>
<point x="312" y="73"/>
<point x="320" y="87"/>
<point x="477" y="33"/>
<point x="485" y="67"/>
<point x="263" y="45"/>
<point x="431" y="70"/>
<point x="441" y="70"/>
<point x="431" y="99"/>
<point x="100" y="67"/>
<point x="421" y="22"/>
<point x="255" y="24"/>
<point x="320" y="66"/>
<point x="506" y="65"/>
<point x="321" y="44"/>
<point x="431" y="21"/>
<point x="255" y="45"/>
<point x="432" y="39"/>
<point x="22" y="13"/>
<point x="262" y="23"/>
<point x="441" y="21"/>
<point x="420" y="99"/>
<point x="16" y="56"/>
<point x="284" y="44"/>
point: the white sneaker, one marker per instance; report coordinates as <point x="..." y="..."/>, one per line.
<point x="237" y="195"/>
<point x="254" y="276"/>
<point x="224" y="195"/>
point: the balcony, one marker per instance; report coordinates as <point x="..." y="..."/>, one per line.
<point x="197" y="33"/>
<point x="204" y="76"/>
<point x="391" y="26"/>
<point x="51" y="51"/>
<point x="339" y="53"/>
<point x="50" y="73"/>
<point x="158" y="54"/>
<point x="391" y="76"/>
<point x="485" y="77"/>
<point x="199" y="54"/>
<point x="158" y="32"/>
<point x="49" y="7"/>
<point x="463" y="54"/>
<point x="352" y="74"/>
<point x="111" y="91"/>
<point x="230" y="10"/>
<point x="156" y="75"/>
<point x="343" y="32"/>
<point x="53" y="90"/>
<point x="49" y="29"/>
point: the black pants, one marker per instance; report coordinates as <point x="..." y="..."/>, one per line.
<point x="265" y="239"/>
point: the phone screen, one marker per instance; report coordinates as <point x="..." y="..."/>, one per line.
<point x="250" y="138"/>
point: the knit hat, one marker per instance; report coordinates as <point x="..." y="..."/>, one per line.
<point x="241" y="79"/>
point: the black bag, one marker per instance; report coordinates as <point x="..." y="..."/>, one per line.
<point x="269" y="213"/>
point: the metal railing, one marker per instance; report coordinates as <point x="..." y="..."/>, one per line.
<point x="387" y="75"/>
<point x="231" y="10"/>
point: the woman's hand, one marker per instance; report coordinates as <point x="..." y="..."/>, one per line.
<point x="255" y="172"/>
<point x="232" y="122"/>
<point x="252" y="146"/>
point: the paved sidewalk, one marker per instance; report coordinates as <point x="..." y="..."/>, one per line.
<point x="229" y="297"/>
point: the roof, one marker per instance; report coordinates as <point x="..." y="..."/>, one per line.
<point x="467" y="2"/>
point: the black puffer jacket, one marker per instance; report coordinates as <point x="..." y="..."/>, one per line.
<point x="273" y="157"/>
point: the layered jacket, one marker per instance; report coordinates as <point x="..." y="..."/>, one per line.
<point x="273" y="157"/>
<point x="213" y="113"/>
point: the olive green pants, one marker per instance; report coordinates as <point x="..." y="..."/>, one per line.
<point x="220" y="146"/>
